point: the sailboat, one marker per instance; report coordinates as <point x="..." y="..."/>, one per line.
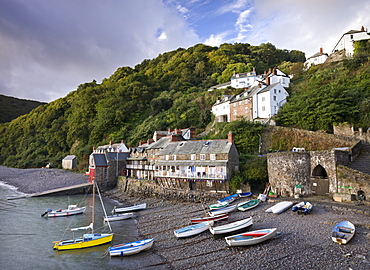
<point x="87" y="240"/>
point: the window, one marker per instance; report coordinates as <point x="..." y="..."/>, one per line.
<point x="263" y="108"/>
<point x="274" y="98"/>
<point x="212" y="157"/>
<point x="263" y="98"/>
<point x="167" y="157"/>
<point x="234" y="112"/>
<point x="174" y="157"/>
<point x="193" y="157"/>
<point x="202" y="156"/>
<point x="246" y="109"/>
<point x="274" y="91"/>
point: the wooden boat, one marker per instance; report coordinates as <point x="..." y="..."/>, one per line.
<point x="136" y="207"/>
<point x="117" y="217"/>
<point x="224" y="210"/>
<point x="279" y="207"/>
<point x="244" y="194"/>
<point x="250" y="238"/>
<point x="193" y="229"/>
<point x="88" y="239"/>
<point x="73" y="209"/>
<point x="131" y="248"/>
<point x="244" y="206"/>
<point x="229" y="199"/>
<point x="343" y="232"/>
<point x="215" y="218"/>
<point x="232" y="227"/>
<point x="218" y="205"/>
<point x="302" y="207"/>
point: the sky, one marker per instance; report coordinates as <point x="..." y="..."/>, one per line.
<point x="49" y="47"/>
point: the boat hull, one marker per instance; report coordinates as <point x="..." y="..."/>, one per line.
<point x="224" y="210"/>
<point x="343" y="232"/>
<point x="87" y="241"/>
<point x="66" y="212"/>
<point x="302" y="208"/>
<point x="250" y="238"/>
<point x="119" y="217"/>
<point x="131" y="208"/>
<point x="279" y="207"/>
<point x="131" y="248"/>
<point x="244" y="206"/>
<point x="215" y="218"/>
<point x="193" y="229"/>
<point x="232" y="227"/>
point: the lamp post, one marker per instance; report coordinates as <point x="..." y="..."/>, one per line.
<point x="259" y="145"/>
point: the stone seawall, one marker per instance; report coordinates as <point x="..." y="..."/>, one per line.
<point x="149" y="188"/>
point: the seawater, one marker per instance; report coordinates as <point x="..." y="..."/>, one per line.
<point x="26" y="237"/>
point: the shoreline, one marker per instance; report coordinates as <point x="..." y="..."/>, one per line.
<point x="302" y="242"/>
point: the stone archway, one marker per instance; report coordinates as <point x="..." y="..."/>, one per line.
<point x="320" y="181"/>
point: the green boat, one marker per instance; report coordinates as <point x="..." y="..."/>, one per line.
<point x="244" y="206"/>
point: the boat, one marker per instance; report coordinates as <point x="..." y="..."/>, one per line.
<point x="131" y="248"/>
<point x="302" y="208"/>
<point x="193" y="229"/>
<point x="87" y="240"/>
<point x="343" y="232"/>
<point x="218" y="205"/>
<point x="279" y="207"/>
<point x="229" y="198"/>
<point x="250" y="238"/>
<point x="232" y="227"/>
<point x="72" y="209"/>
<point x="215" y="218"/>
<point x="223" y="210"/>
<point x="117" y="217"/>
<point x="136" y="207"/>
<point x="248" y="205"/>
<point x="244" y="194"/>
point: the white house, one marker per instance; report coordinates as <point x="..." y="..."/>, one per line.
<point x="221" y="109"/>
<point x="346" y="41"/>
<point x="243" y="80"/>
<point x="277" y="76"/>
<point x="316" y="59"/>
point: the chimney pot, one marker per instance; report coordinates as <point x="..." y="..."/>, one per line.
<point x="321" y="51"/>
<point x="230" y="137"/>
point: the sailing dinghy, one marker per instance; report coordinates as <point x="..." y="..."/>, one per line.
<point x="87" y="240"/>
<point x="73" y="209"/>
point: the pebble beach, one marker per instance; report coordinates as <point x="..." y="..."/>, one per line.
<point x="302" y="241"/>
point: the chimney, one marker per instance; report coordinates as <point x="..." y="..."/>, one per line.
<point x="362" y="28"/>
<point x="94" y="149"/>
<point x="174" y="138"/>
<point x="254" y="70"/>
<point x="142" y="142"/>
<point x="111" y="143"/>
<point x="178" y="131"/>
<point x="169" y="130"/>
<point x="321" y="52"/>
<point x="122" y="141"/>
<point x="230" y="137"/>
<point x="268" y="80"/>
<point x="269" y="71"/>
<point x="193" y="135"/>
<point x="150" y="141"/>
<point x="275" y="71"/>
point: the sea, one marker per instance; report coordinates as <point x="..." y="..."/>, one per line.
<point x="26" y="237"/>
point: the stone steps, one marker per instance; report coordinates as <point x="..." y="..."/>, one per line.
<point x="362" y="162"/>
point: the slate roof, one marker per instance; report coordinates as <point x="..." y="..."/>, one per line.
<point x="268" y="88"/>
<point x="113" y="155"/>
<point x="69" y="157"/>
<point x="191" y="162"/>
<point x="196" y="147"/>
<point x="100" y="160"/>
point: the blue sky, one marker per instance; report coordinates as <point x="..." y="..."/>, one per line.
<point x="49" y="47"/>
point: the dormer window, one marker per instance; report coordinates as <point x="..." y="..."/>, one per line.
<point x="193" y="157"/>
<point x="202" y="157"/>
<point x="212" y="156"/>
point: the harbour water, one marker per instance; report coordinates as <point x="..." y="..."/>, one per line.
<point x="26" y="237"/>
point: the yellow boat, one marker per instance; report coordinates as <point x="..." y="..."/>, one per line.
<point x="88" y="239"/>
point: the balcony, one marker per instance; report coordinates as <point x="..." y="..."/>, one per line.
<point x="179" y="174"/>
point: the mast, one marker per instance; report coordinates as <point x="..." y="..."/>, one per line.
<point x="93" y="207"/>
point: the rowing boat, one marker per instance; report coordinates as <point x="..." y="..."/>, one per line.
<point x="193" y="229"/>
<point x="131" y="248"/>
<point x="250" y="238"/>
<point x="232" y="227"/>
<point x="343" y="232"/>
<point x="215" y="218"/>
<point x="244" y="206"/>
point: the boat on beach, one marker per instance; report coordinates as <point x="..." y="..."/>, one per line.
<point x="193" y="229"/>
<point x="215" y="218"/>
<point x="218" y="205"/>
<point x="279" y="207"/>
<point x="131" y="248"/>
<point x="343" y="232"/>
<point x="87" y="240"/>
<point x="72" y="209"/>
<point x="302" y="208"/>
<point x="244" y="206"/>
<point x="229" y="198"/>
<point x="250" y="238"/>
<point x="232" y="227"/>
<point x="223" y="210"/>
<point x="244" y="194"/>
<point x="117" y="217"/>
<point x="136" y="207"/>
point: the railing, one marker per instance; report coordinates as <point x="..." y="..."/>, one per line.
<point x="190" y="175"/>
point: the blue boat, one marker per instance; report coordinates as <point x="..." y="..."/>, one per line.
<point x="302" y="207"/>
<point x="245" y="194"/>
<point x="230" y="198"/>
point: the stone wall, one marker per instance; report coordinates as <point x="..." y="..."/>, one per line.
<point x="351" y="181"/>
<point x="349" y="130"/>
<point x="327" y="159"/>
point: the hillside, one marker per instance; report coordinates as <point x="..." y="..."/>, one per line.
<point x="170" y="91"/>
<point x="11" y="108"/>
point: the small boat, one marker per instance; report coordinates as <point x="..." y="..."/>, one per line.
<point x="73" y="209"/>
<point x="244" y="206"/>
<point x="87" y="240"/>
<point x="279" y="207"/>
<point x="244" y="194"/>
<point x="193" y="229"/>
<point x="229" y="199"/>
<point x="250" y="238"/>
<point x="136" y="207"/>
<point x="218" y="205"/>
<point x="215" y="218"/>
<point x="231" y="227"/>
<point x="117" y="217"/>
<point x="131" y="248"/>
<point x="302" y="207"/>
<point x="223" y="210"/>
<point x="343" y="232"/>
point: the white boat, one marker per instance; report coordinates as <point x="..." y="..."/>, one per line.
<point x="250" y="238"/>
<point x="215" y="218"/>
<point x="279" y="207"/>
<point x="343" y="232"/>
<point x="218" y="205"/>
<point x="87" y="240"/>
<point x="117" y="217"/>
<point x="223" y="210"/>
<point x="193" y="229"/>
<point x="302" y="207"/>
<point x="72" y="209"/>
<point x="231" y="227"/>
<point x="136" y="207"/>
<point x="131" y="248"/>
<point x="244" y="206"/>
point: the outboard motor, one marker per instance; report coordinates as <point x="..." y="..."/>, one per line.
<point x="47" y="211"/>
